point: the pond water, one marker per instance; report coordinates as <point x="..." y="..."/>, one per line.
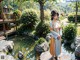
<point x="66" y="52"/>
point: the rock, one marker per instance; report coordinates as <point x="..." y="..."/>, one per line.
<point x="3" y="56"/>
<point x="2" y="38"/>
<point x="77" y="52"/>
<point x="45" y="56"/>
<point x="20" y="55"/>
<point x="77" y="41"/>
<point x="39" y="49"/>
<point x="42" y="47"/>
<point x="73" y="46"/>
<point x="48" y="37"/>
<point x="9" y="48"/>
<point x="45" y="46"/>
<point x="6" y="45"/>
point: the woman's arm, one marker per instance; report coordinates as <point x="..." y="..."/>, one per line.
<point x="56" y="35"/>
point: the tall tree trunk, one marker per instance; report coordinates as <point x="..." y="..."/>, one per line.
<point x="41" y="11"/>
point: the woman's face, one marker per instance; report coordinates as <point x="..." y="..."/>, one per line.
<point x="55" y="17"/>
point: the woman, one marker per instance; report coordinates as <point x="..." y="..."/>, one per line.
<point x="56" y="32"/>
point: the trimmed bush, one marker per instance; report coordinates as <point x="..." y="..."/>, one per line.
<point x="40" y="41"/>
<point x="17" y="14"/>
<point x="69" y="33"/>
<point x="71" y="17"/>
<point x="42" y="29"/>
<point x="29" y="18"/>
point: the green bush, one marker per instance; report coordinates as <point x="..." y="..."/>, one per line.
<point x="69" y="33"/>
<point x="17" y="14"/>
<point x="40" y="41"/>
<point x="29" y="18"/>
<point x="42" y="29"/>
<point x="21" y="29"/>
<point x="71" y="17"/>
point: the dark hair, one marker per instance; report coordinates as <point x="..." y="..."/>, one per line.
<point x="53" y="13"/>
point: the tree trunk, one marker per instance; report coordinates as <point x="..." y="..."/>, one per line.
<point x="41" y="11"/>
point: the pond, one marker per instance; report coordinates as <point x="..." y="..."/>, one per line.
<point x="27" y="47"/>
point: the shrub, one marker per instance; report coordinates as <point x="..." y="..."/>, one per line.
<point x="29" y="18"/>
<point x="17" y="14"/>
<point x="21" y="29"/>
<point x="71" y="17"/>
<point x="69" y="33"/>
<point x="40" y="41"/>
<point x="42" y="29"/>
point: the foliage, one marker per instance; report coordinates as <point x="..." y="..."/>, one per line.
<point x="30" y="4"/>
<point x="21" y="29"/>
<point x="69" y="33"/>
<point x="29" y="18"/>
<point x="42" y="29"/>
<point x="40" y="41"/>
<point x="71" y="17"/>
<point x="17" y="14"/>
<point x="67" y="47"/>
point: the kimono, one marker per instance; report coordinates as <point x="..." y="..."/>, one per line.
<point x="55" y="45"/>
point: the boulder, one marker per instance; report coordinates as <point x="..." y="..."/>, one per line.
<point x="77" y="52"/>
<point x="20" y="55"/>
<point x="42" y="47"/>
<point x="6" y="46"/>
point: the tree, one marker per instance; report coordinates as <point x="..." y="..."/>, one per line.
<point x="41" y="3"/>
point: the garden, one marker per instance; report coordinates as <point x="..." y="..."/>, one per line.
<point x="25" y="24"/>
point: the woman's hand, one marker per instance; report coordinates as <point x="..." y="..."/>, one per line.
<point x="59" y="37"/>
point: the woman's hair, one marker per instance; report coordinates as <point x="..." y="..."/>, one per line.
<point x="53" y="13"/>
